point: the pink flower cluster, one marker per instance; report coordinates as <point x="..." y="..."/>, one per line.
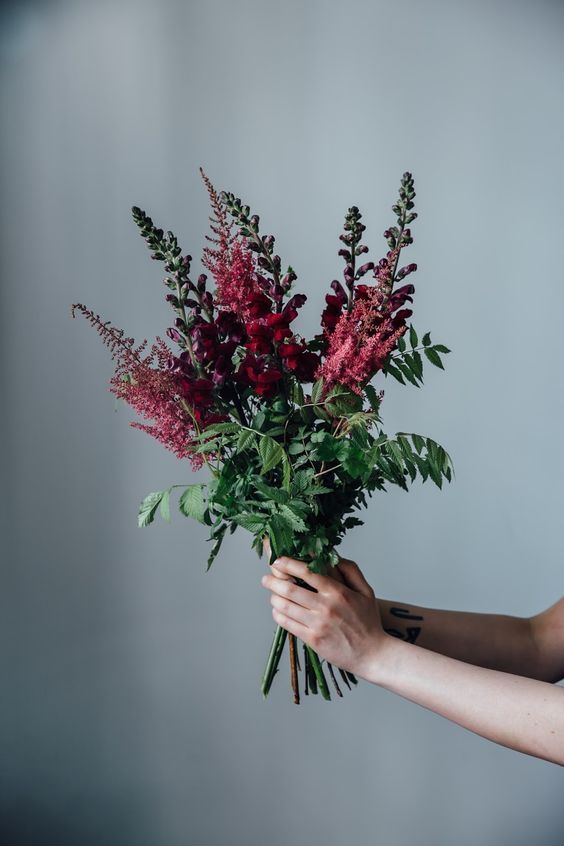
<point x="154" y="394"/>
<point x="359" y="340"/>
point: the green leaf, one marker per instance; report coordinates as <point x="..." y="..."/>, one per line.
<point x="426" y="339"/>
<point x="217" y="541"/>
<point x="252" y="522"/>
<point x="280" y="534"/>
<point x="317" y="390"/>
<point x="258" y="421"/>
<point x="407" y="373"/>
<point x="224" y="427"/>
<point x="441" y="348"/>
<point x="372" y="397"/>
<point x="401" y="344"/>
<point x="393" y="371"/>
<point x="355" y="462"/>
<point x="294" y="519"/>
<point x="165" y="505"/>
<point x="148" y="508"/>
<point x="417" y="364"/>
<point x="395" y="452"/>
<point x="301" y="481"/>
<point x="296" y="447"/>
<point x="246" y="439"/>
<point x="191" y="502"/>
<point x="270" y="492"/>
<point x="418" y="442"/>
<point x="320" y="412"/>
<point x="297" y="393"/>
<point x="434" y="357"/>
<point x="270" y="452"/>
<point x="413" y="339"/>
<point x="286" y="472"/>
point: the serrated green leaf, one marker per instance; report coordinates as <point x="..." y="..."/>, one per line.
<point x="165" y="505"/>
<point x="301" y="481"/>
<point x="372" y="397"/>
<point x="258" y="421"/>
<point x="403" y="366"/>
<point x="246" y="439"/>
<point x="224" y="428"/>
<point x="433" y="357"/>
<point x="417" y="364"/>
<point x="393" y="371"/>
<point x="271" y="453"/>
<point x="395" y="452"/>
<point x="297" y="393"/>
<point x="191" y="502"/>
<point x="296" y="447"/>
<point x="413" y="339"/>
<point x="317" y="390"/>
<point x="217" y="541"/>
<point x="148" y="508"/>
<point x="252" y="522"/>
<point x="418" y="442"/>
<point x="294" y="519"/>
<point x="320" y="412"/>
<point x="280" y="534"/>
<point x="286" y="472"/>
<point x="269" y="491"/>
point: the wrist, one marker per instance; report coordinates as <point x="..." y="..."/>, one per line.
<point x="380" y="665"/>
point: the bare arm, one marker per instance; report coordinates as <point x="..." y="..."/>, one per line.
<point x="342" y="622"/>
<point x="496" y="641"/>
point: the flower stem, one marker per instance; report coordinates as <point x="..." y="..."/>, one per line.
<point x="278" y="642"/>
<point x="319" y="674"/>
<point x="294" y="669"/>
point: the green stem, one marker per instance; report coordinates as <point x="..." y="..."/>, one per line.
<point x="278" y="642"/>
<point x="319" y="674"/>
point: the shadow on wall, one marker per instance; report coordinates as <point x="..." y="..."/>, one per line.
<point x="22" y="23"/>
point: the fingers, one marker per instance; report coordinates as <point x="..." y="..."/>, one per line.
<point x="353" y="577"/>
<point x="292" y="626"/>
<point x="293" y="567"/>
<point x="288" y="591"/>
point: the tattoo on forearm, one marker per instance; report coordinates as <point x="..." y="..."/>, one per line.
<point x="412" y="632"/>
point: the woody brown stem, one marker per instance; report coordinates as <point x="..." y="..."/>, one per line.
<point x="294" y="669"/>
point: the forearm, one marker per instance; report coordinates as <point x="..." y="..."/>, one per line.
<point x="521" y="713"/>
<point x="495" y="641"/>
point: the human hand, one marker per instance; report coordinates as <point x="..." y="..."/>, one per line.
<point x="340" y="618"/>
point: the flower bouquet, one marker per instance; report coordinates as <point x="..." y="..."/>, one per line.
<point x="286" y="461"/>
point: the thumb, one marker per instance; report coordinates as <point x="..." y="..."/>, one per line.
<point x="353" y="577"/>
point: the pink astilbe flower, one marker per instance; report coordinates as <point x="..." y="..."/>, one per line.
<point x="155" y="392"/>
<point x="365" y="336"/>
<point x="234" y="274"/>
<point x="231" y="263"/>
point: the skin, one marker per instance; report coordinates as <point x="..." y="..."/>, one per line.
<point x="492" y="674"/>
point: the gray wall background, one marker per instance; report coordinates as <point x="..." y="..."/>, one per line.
<point x="131" y="711"/>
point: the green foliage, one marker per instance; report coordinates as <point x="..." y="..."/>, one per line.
<point x="192" y="503"/>
<point x="148" y="508"/>
<point x="407" y="365"/>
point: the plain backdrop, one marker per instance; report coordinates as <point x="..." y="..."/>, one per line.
<point x="130" y="708"/>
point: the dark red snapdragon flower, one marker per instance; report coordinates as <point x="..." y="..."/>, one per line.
<point x="279" y="324"/>
<point x="258" y="373"/>
<point x="260" y="337"/>
<point x="297" y="358"/>
<point x="334" y="307"/>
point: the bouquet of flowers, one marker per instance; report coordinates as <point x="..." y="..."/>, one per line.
<point x="287" y="462"/>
